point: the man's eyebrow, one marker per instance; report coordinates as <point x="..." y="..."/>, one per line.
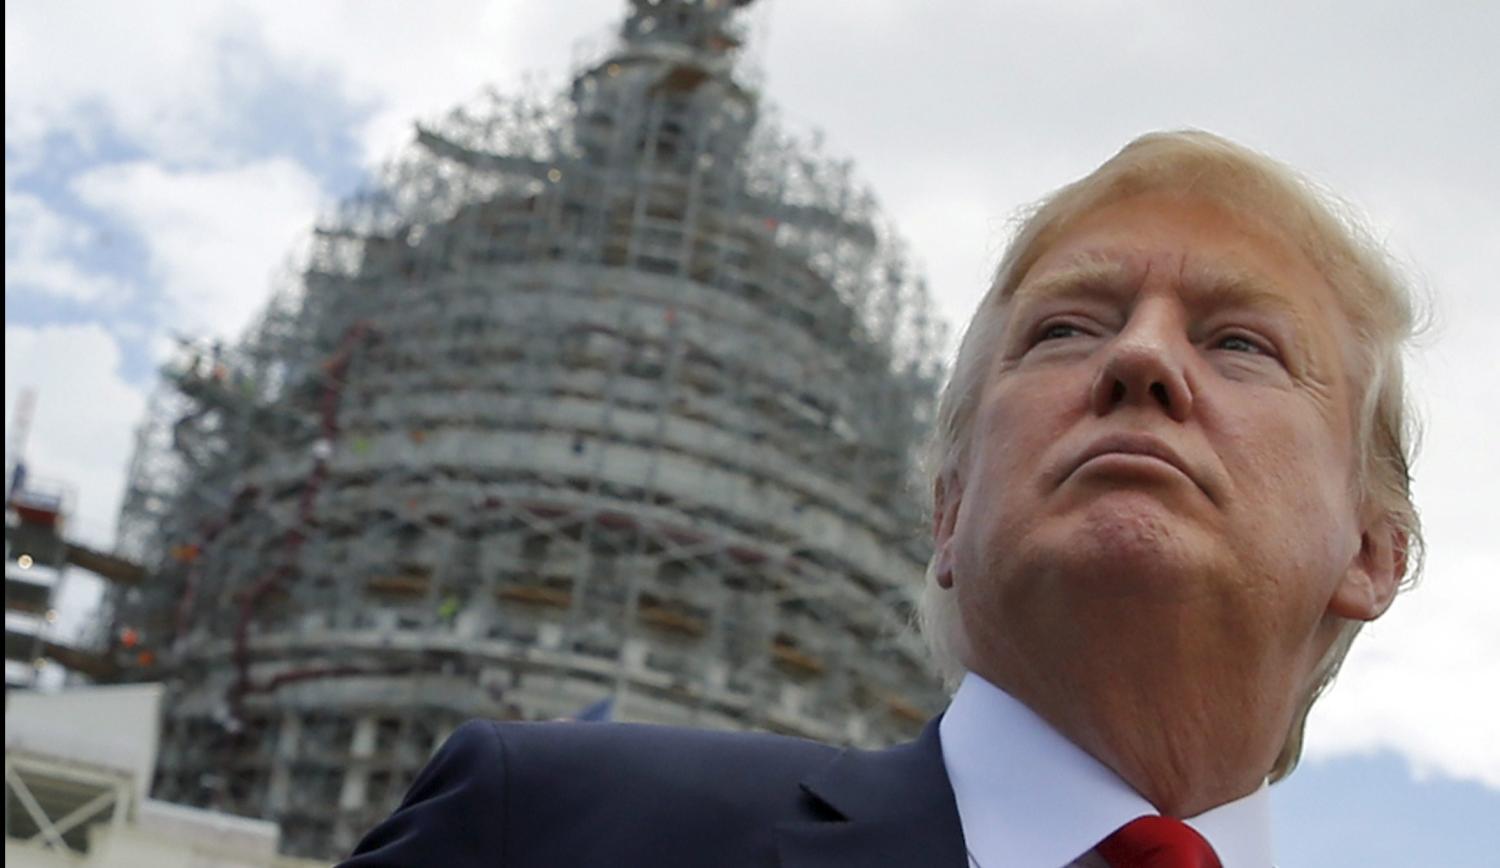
<point x="1215" y="287"/>
<point x="1225" y="286"/>
<point x="1088" y="270"/>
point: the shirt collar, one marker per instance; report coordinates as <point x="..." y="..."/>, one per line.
<point x="1028" y="796"/>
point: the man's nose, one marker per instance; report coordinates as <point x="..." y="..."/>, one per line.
<point x="1144" y="365"/>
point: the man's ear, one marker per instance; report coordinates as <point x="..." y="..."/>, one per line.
<point x="1374" y="574"/>
<point x="947" y="495"/>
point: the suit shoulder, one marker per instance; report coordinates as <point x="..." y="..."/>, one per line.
<point x="668" y="794"/>
<point x="590" y="793"/>
<point x="633" y="746"/>
<point x="449" y="814"/>
<point x="670" y="760"/>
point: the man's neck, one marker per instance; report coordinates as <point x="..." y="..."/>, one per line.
<point x="1183" y="751"/>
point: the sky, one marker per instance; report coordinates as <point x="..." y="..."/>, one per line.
<point x="164" y="159"/>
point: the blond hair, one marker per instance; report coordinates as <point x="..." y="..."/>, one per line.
<point x="1374" y="298"/>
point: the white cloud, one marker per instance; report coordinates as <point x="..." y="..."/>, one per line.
<point x="170" y="88"/>
<point x="84" y="416"/>
<point x="441" y="53"/>
<point x="146" y="71"/>
<point x="40" y="248"/>
<point x="214" y="237"/>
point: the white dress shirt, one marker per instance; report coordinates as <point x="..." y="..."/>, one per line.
<point x="1029" y="798"/>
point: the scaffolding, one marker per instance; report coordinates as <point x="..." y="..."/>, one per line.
<point x="613" y="393"/>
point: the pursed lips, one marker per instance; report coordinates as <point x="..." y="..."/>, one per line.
<point x="1137" y="444"/>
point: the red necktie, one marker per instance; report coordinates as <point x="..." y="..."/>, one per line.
<point x="1157" y="842"/>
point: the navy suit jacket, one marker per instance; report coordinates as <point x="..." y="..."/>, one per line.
<point x="553" y="795"/>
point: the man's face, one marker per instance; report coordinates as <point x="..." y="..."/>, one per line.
<point x="1162" y="451"/>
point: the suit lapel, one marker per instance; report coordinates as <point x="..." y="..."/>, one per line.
<point x="879" y="808"/>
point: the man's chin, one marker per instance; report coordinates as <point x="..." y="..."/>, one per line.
<point x="1125" y="542"/>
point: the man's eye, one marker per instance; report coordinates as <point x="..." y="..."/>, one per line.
<point x="1239" y="344"/>
<point x="1059" y="330"/>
